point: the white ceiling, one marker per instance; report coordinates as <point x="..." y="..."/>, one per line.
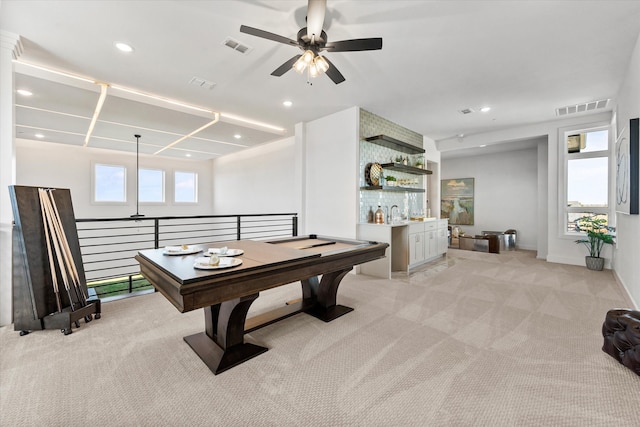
<point x="524" y="59"/>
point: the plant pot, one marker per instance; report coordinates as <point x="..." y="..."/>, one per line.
<point x="594" y="263"/>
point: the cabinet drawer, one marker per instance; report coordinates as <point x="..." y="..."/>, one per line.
<point x="416" y="228"/>
<point x="431" y="225"/>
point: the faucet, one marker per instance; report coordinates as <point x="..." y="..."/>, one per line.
<point x="391" y="213"/>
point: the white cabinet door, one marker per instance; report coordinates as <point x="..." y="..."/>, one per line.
<point x="430" y="244"/>
<point x="416" y="248"/>
<point x="442" y="241"/>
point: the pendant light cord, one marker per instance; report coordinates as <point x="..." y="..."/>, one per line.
<point x="137" y="214"/>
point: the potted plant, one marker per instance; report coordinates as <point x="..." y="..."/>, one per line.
<point x="598" y="234"/>
<point x="391" y="180"/>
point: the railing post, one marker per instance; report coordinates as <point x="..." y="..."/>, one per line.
<point x="156" y="233"/>
<point x="130" y="284"/>
<point x="238" y="227"/>
<point x="295" y="226"/>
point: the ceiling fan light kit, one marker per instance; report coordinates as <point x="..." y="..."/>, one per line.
<point x="312" y="40"/>
<point x="315" y="65"/>
<point x="321" y="64"/>
<point x="304" y="61"/>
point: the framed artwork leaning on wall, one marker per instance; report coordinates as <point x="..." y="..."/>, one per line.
<point x="628" y="169"/>
<point x="457" y="200"/>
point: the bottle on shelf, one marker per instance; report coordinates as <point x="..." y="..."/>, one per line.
<point x="379" y="215"/>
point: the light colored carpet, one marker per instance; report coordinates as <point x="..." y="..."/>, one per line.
<point x="475" y="339"/>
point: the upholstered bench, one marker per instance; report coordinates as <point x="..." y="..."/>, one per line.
<point x="621" y="331"/>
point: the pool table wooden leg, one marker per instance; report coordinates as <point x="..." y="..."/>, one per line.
<point x="319" y="296"/>
<point x="222" y="345"/>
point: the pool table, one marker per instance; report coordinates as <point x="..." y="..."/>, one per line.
<point x="318" y="262"/>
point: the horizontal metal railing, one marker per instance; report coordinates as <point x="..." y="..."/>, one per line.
<point x="108" y="245"/>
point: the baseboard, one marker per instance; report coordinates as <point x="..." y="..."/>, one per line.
<point x="526" y="248"/>
<point x="575" y="261"/>
<point x="625" y="291"/>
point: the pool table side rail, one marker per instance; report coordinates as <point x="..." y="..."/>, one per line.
<point x="215" y="289"/>
<point x="251" y="283"/>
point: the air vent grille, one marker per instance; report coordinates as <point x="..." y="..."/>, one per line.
<point x="236" y="45"/>
<point x="197" y="81"/>
<point x="466" y="111"/>
<point x="580" y="108"/>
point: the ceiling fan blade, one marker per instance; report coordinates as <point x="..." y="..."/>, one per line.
<point x="267" y="35"/>
<point x="315" y="17"/>
<point x="354" y="45"/>
<point x="285" y="67"/>
<point x="333" y="73"/>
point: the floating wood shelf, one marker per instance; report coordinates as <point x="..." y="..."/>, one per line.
<point x="394" y="144"/>
<point x="400" y="167"/>
<point x="392" y="188"/>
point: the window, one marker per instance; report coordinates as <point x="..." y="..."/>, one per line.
<point x="110" y="183"/>
<point x="586" y="172"/>
<point x="186" y="187"/>
<point x="151" y="185"/>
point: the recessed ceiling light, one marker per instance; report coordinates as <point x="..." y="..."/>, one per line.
<point x="123" y="47"/>
<point x="237" y="136"/>
<point x="287" y="103"/>
<point x="188" y="154"/>
<point x="24" y="92"/>
<point x="485" y="109"/>
<point x="39" y="135"/>
<point x="483" y="145"/>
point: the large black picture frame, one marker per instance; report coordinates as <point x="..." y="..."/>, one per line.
<point x="628" y="169"/>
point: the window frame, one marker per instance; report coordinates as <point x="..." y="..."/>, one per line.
<point x="196" y="189"/>
<point x="563" y="162"/>
<point x="94" y="166"/>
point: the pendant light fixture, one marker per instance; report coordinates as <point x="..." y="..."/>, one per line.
<point x="137" y="214"/>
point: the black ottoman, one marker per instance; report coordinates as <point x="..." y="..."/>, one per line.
<point x="621" y="331"/>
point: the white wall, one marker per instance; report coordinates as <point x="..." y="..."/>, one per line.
<point x="331" y="155"/>
<point x="258" y="180"/>
<point x="10" y="48"/>
<point x="626" y="265"/>
<point x="543" y="204"/>
<point x="506" y="192"/>
<point x="434" y="164"/>
<point x="65" y="166"/>
<point x="313" y="173"/>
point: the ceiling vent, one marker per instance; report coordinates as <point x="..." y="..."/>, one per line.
<point x="236" y="45"/>
<point x="580" y="108"/>
<point x="466" y="111"/>
<point x="197" y="81"/>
